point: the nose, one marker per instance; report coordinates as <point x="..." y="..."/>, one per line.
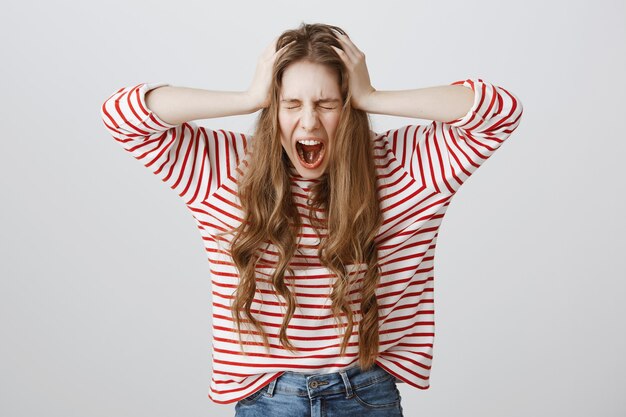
<point x="309" y="119"/>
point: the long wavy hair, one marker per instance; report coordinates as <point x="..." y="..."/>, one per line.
<point x="346" y="191"/>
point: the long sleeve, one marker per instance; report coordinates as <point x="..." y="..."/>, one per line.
<point x="192" y="160"/>
<point x="442" y="155"/>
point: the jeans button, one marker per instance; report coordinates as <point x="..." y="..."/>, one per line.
<point x="313" y="384"/>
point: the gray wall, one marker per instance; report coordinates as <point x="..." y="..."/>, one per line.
<point x="105" y="287"/>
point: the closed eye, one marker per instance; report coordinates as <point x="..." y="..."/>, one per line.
<point x="326" y="108"/>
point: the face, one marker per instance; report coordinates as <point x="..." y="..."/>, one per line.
<point x="308" y="115"/>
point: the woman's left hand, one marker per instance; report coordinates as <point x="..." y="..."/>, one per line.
<point x="359" y="80"/>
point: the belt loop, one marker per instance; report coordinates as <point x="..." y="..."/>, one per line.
<point x="346" y="382"/>
<point x="271" y="386"/>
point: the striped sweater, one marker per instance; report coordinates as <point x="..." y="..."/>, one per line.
<point x="419" y="169"/>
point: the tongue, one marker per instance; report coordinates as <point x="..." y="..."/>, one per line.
<point x="311" y="152"/>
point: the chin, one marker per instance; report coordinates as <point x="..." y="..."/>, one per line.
<point x="310" y="174"/>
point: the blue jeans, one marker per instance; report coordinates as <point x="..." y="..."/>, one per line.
<point x="352" y="392"/>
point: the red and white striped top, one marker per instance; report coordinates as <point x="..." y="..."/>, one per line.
<point x="419" y="168"/>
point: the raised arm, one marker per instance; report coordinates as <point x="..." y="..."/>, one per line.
<point x="154" y="122"/>
<point x="441" y="103"/>
<point x="471" y="120"/>
<point x="176" y="105"/>
<point x="193" y="160"/>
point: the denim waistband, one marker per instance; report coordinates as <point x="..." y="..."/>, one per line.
<point x="317" y="385"/>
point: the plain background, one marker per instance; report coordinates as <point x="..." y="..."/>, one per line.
<point x="105" y="287"/>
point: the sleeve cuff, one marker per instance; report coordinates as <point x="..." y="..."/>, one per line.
<point x="473" y="117"/>
<point x="142" y="97"/>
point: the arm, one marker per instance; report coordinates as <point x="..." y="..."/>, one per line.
<point x="463" y="135"/>
<point x="176" y="105"/>
<point x="466" y="129"/>
<point x="153" y="122"/>
<point x="441" y="103"/>
<point x="193" y="160"/>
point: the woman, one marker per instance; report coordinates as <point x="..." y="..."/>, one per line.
<point x="320" y="233"/>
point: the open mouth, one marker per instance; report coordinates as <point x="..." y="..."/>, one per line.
<point x="310" y="153"/>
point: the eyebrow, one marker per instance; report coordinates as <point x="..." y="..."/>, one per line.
<point x="322" y="100"/>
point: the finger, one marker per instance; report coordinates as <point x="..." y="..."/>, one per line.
<point x="348" y="53"/>
<point x="351" y="50"/>
<point x="269" y="49"/>
<point x="341" y="54"/>
<point x="337" y="32"/>
<point x="283" y="48"/>
<point x="344" y="38"/>
<point x="274" y="42"/>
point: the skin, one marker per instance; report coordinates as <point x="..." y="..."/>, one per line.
<point x="441" y="103"/>
<point x="309" y="109"/>
<point x="308" y="82"/>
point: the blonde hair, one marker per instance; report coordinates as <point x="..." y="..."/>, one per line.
<point x="347" y="192"/>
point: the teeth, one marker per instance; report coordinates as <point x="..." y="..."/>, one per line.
<point x="309" y="142"/>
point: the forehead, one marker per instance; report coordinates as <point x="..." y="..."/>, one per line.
<point x="302" y="80"/>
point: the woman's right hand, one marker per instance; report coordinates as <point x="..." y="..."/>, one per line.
<point x="259" y="90"/>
